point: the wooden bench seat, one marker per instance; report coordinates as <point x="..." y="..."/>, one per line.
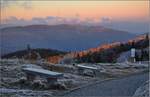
<point x="49" y="75"/>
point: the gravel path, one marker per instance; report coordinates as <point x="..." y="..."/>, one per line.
<point x="119" y="87"/>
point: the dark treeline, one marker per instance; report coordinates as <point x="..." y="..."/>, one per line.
<point x="34" y="53"/>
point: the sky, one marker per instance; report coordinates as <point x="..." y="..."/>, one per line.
<point x="131" y="16"/>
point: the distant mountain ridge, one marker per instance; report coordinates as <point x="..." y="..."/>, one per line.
<point x="63" y="37"/>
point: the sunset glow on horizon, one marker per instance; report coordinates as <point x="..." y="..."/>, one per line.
<point x="116" y="10"/>
<point x="71" y="25"/>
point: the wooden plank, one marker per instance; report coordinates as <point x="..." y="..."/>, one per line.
<point x="87" y="67"/>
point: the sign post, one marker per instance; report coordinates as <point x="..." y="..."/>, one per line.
<point x="133" y="54"/>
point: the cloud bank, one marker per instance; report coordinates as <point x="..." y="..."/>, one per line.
<point x="130" y="26"/>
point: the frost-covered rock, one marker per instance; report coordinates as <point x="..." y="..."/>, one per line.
<point x="38" y="84"/>
<point x="88" y="73"/>
<point x="122" y="66"/>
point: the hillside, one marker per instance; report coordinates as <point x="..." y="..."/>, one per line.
<point x="35" y="53"/>
<point x="109" y="52"/>
<point x="63" y="37"/>
<point x="126" y="55"/>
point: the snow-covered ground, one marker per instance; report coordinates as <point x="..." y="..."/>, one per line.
<point x="124" y="56"/>
<point x="14" y="82"/>
<point x="119" y="69"/>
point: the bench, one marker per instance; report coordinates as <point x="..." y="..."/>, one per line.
<point x="49" y="75"/>
<point x="81" y="69"/>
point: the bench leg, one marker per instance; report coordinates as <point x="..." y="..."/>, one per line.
<point x="30" y="77"/>
<point x="80" y="71"/>
<point x="94" y="72"/>
<point x="51" y="81"/>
